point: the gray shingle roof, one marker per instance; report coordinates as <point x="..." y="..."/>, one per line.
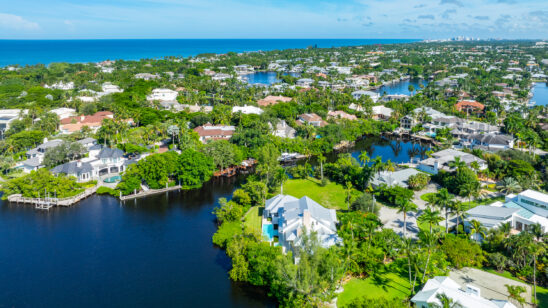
<point x="110" y="153"/>
<point x="73" y="168"/>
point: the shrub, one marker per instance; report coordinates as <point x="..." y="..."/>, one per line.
<point x="107" y="191"/>
<point x="462" y="252"/>
<point x="418" y="181"/>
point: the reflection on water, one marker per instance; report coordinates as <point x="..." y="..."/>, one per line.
<point x="154" y="251"/>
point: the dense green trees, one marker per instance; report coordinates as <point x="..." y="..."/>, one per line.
<point x="40" y="184"/>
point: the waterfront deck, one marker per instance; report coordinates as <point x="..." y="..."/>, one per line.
<point x="149" y="192"/>
<point x="48" y="203"/>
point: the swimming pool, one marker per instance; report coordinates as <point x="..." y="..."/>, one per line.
<point x="113" y="179"/>
<point x="269" y="232"/>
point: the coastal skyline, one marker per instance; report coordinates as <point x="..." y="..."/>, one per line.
<point x="123" y="19"/>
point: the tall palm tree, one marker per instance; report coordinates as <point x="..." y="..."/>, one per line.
<point x="321" y="160"/>
<point x="478" y="228"/>
<point x="431" y="217"/>
<point x="509" y="185"/>
<point x="364" y="158"/>
<point x="443" y="200"/>
<point x="514" y="292"/>
<point x="459" y="209"/>
<point x="405" y="206"/>
<point x="457" y="163"/>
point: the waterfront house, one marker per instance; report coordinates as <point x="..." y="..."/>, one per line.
<point x="61" y="86"/>
<point x="395" y="178"/>
<point x="273" y="100"/>
<point x="247" y="109"/>
<point x="311" y="119"/>
<point x="214" y="132"/>
<point x="408" y="122"/>
<point x="289" y="217"/>
<point x="468" y="297"/>
<point x="442" y="159"/>
<point x="488" y="142"/>
<point x="82" y="171"/>
<point x="40" y="150"/>
<point x="381" y="112"/>
<point x="359" y="94"/>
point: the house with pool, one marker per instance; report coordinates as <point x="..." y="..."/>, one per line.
<point x="285" y="218"/>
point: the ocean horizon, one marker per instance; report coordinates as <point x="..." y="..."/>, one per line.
<point x="31" y="52"/>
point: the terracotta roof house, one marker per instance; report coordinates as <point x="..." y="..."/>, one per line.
<point x="273" y="100"/>
<point x="312" y="119"/>
<point x="339" y="114"/>
<point x="214" y="132"/>
<point x="470" y="107"/>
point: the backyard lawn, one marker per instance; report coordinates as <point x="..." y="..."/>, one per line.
<point x="252" y="220"/>
<point x="331" y="196"/>
<point x="385" y="285"/>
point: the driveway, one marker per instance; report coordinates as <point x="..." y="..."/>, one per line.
<point x="394" y="220"/>
<point x="491" y="285"/>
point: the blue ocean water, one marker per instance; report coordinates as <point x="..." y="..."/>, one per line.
<point x="30" y="52"/>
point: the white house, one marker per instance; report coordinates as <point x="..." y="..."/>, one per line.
<point x="468" y="297"/>
<point x="61" y="86"/>
<point x="247" y="109"/>
<point x="521" y="211"/>
<point x="283" y="130"/>
<point x="373" y="95"/>
<point x="7" y="116"/>
<point x="381" y="112"/>
<point x="442" y="159"/>
<point x="290" y="217"/>
<point x="64" y="113"/>
<point x="162" y="95"/>
<point x="304" y="82"/>
<point x="109" y="88"/>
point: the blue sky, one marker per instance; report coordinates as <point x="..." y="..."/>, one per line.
<point x="72" y="19"/>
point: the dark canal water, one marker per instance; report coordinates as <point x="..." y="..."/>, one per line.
<point x="155" y="251"/>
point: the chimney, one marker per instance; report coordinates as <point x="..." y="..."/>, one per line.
<point x="306" y="219"/>
<point x="82" y="117"/>
<point x="79" y="164"/>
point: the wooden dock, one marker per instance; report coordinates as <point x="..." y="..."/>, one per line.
<point x="149" y="193"/>
<point x="48" y="203"/>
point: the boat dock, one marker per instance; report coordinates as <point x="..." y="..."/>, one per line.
<point x="48" y="203"/>
<point x="149" y="192"/>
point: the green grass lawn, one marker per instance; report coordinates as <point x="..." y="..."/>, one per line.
<point x="332" y="195"/>
<point x="384" y="285"/>
<point x="252" y="220"/>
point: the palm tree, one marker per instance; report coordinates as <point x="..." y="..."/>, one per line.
<point x="478" y="228"/>
<point x="348" y="190"/>
<point x="509" y="185"/>
<point x="446" y="302"/>
<point x="505" y="228"/>
<point x="405" y="206"/>
<point x="389" y="166"/>
<point x="431" y="217"/>
<point x="282" y="177"/>
<point x="514" y="292"/>
<point x="459" y="210"/>
<point x="536" y="250"/>
<point x="457" y="163"/>
<point x="364" y="158"/>
<point x="443" y="200"/>
<point x="321" y="160"/>
<point x="378" y="165"/>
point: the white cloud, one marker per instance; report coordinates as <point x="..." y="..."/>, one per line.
<point x="11" y="21"/>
